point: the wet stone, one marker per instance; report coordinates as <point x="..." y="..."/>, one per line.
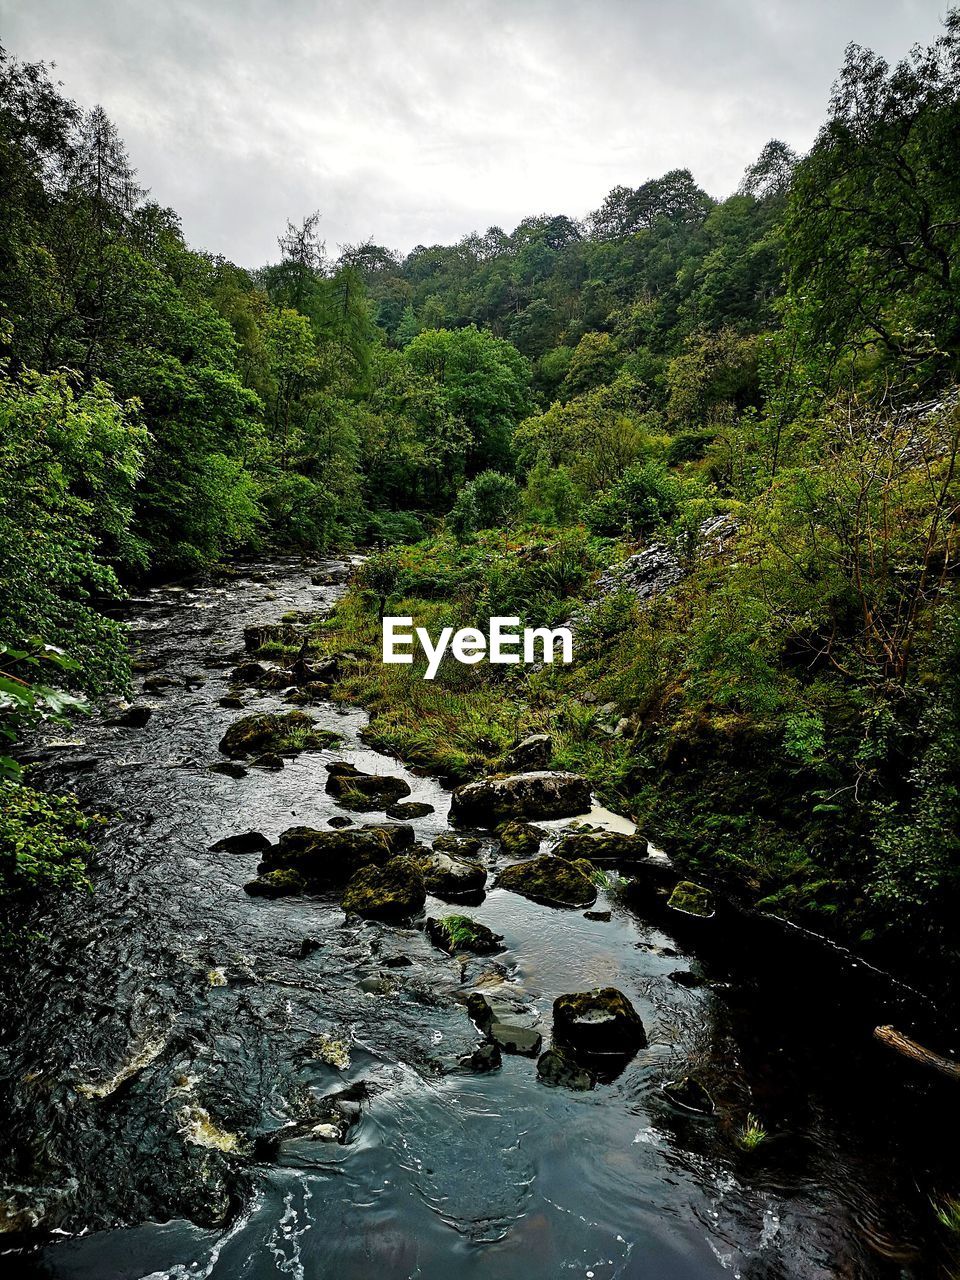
<point x="563" y="1071"/>
<point x="517" y="1040"/>
<point x="229" y="768"/>
<point x="689" y="1093"/>
<point x="551" y="880"/>
<point x="602" y="1021"/>
<point x="243" y="842"/>
<point x="485" y="1058"/>
<point x="408" y="809"/>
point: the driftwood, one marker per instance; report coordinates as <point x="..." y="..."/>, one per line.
<point x="910" y="1049"/>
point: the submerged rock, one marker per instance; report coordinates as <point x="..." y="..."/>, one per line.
<point x="521" y="795"/>
<point x="692" y="899"/>
<point x="480" y="1011"/>
<point x="558" y="1068"/>
<point x="486" y="1057"/>
<point x="550" y="879"/>
<point x="269" y="760"/>
<point x="604" y="848"/>
<point x="243" y="842"/>
<point x="389" y="892"/>
<point x="689" y="1093"/>
<point x="461" y="933"/>
<point x="340" y="820"/>
<point x="519" y="839"/>
<point x="602" y="1021"/>
<point x="532" y="753"/>
<point x="358" y="790"/>
<point x="229" y="768"/>
<point x="132" y="718"/>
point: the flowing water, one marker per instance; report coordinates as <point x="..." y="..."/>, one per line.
<point x="164" y="1058"/>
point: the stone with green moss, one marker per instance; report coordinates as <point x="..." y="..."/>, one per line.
<point x="519" y="839"/>
<point x="463" y="933"/>
<point x="390" y="892"/>
<point x="281" y="883"/>
<point x="274" y="733"/>
<point x="692" y="899"/>
<point x="552" y="880"/>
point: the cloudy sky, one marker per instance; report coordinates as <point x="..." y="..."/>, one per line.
<point x="416" y="121"/>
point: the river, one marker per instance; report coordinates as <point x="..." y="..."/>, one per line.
<point x="160" y="1049"/>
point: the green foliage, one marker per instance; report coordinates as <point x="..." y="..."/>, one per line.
<point x="751" y="1134"/>
<point x="42" y="840"/>
<point x="487" y="502"/>
<point x="646" y="497"/>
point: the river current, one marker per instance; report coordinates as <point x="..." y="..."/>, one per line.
<point x="167" y="1040"/>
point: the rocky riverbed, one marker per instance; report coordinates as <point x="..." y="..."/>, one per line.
<point x="320" y="1017"/>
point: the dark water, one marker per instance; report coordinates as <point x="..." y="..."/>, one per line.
<point x="169" y="1016"/>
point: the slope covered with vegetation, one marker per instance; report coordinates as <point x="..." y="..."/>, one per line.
<point x="513" y="415"/>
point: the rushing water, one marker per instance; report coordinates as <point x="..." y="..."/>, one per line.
<point x="161" y="1070"/>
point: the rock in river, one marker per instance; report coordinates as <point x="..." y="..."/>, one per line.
<point x="692" y="899"/>
<point x="271" y="733"/>
<point x="603" y="848"/>
<point x="521" y="795"/>
<point x="558" y="1068"/>
<point x="325" y="858"/>
<point x="602" y="1021"/>
<point x="282" y="883"/>
<point x="358" y="790"/>
<point x="519" y="839"/>
<point x="244" y="842"/>
<point x="451" y="878"/>
<point x="461" y="933"/>
<point x="393" y="891"/>
<point x="552" y="880"/>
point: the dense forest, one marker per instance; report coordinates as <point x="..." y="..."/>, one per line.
<point x="510" y="422"/>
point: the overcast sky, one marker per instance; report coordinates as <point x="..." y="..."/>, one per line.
<point x="417" y="121"/>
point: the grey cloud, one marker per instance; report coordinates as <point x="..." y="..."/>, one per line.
<point x="420" y="120"/>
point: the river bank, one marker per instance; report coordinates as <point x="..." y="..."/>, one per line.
<point x="182" y="1035"/>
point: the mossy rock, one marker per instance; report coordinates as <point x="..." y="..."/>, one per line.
<point x="364" y="791"/>
<point x="331" y="857"/>
<point x="407" y="809"/>
<point x="453" y="878"/>
<point x="282" y="883"/>
<point x="521" y="796"/>
<point x="552" y="880"/>
<point x="602" y="1021"/>
<point x="692" y="899"/>
<point x="603" y="848"/>
<point x="462" y="933"/>
<point x="274" y="634"/>
<point x="393" y="891"/>
<point x="458" y="846"/>
<point x="519" y="839"/>
<point x="270" y="733"/>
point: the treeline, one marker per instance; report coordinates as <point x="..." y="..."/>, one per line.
<point x="519" y="411"/>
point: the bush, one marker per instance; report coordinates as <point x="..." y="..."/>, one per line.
<point x="394" y="526"/>
<point x="646" y="497"/>
<point x="43" y="841"/>
<point x="487" y="502"/>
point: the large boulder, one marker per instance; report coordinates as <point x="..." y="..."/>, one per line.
<point x="603" y="848"/>
<point x="552" y="880"/>
<point x="544" y="794"/>
<point x="364" y="791"/>
<point x="602" y="1021"/>
<point x="458" y="846"/>
<point x="532" y="753"/>
<point x="283" y="882"/>
<point x="393" y="891"/>
<point x="451" y="878"/>
<point x="331" y="857"/>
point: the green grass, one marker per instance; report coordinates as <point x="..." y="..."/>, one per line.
<point x="751" y="1134"/>
<point x="460" y="930"/>
<point x="947" y="1210"/>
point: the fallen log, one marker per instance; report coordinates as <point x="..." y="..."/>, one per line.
<point x="911" y="1049"/>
